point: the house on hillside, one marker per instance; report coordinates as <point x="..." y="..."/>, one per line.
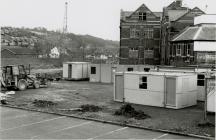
<point x="140" y="36"/>
<point x="17" y="52"/>
<point x="54" y="53"/>
<point x="196" y="44"/>
<point x="175" y="19"/>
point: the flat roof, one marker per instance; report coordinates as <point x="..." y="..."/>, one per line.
<point x="161" y="73"/>
<point x="76" y="62"/>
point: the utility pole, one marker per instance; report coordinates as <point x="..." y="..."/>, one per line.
<point x="65" y="19"/>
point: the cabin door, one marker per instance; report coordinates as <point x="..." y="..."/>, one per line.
<point x="170" y="91"/>
<point x="69" y="70"/>
<point x="119" y="88"/>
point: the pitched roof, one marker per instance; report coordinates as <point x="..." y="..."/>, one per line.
<point x="204" y="32"/>
<point x="125" y="14"/>
<point x="143" y="5"/>
<point x="195" y="9"/>
<point x="19" y="50"/>
<point x="175" y="14"/>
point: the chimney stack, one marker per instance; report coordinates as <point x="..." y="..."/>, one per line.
<point x="178" y="3"/>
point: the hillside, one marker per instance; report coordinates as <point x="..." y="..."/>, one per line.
<point x="43" y="41"/>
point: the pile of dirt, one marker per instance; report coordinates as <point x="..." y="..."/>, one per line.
<point x="43" y="103"/>
<point x="90" y="108"/>
<point x="128" y="111"/>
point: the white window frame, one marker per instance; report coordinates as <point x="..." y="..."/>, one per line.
<point x="188" y="50"/>
<point x="142" y="15"/>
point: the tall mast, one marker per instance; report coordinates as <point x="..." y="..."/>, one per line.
<point x="65" y="19"/>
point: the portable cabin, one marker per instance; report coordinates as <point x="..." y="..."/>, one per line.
<point x="200" y="72"/>
<point x="170" y="90"/>
<point x="103" y="73"/>
<point x="76" y="70"/>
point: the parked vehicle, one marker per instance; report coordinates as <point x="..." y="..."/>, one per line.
<point x="17" y="77"/>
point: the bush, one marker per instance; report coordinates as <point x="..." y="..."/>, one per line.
<point x="128" y="111"/>
<point x="43" y="103"/>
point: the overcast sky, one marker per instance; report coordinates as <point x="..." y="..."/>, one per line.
<point x="99" y="18"/>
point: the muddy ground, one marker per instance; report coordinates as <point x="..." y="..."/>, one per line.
<point x="69" y="95"/>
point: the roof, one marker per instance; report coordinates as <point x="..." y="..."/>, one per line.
<point x="125" y="14"/>
<point x="174" y="74"/>
<point x="195" y="9"/>
<point x="19" y="50"/>
<point x="175" y="11"/>
<point x="176" y="14"/>
<point x="76" y="62"/>
<point x="202" y="32"/>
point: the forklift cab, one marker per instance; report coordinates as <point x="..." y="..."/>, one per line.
<point x="13" y="73"/>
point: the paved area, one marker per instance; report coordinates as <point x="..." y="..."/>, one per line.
<point x="22" y="124"/>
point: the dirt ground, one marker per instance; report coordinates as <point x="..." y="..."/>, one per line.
<point x="73" y="94"/>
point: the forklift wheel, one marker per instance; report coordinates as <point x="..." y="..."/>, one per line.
<point x="36" y="85"/>
<point x="22" y="84"/>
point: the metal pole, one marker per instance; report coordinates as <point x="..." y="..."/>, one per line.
<point x="205" y="105"/>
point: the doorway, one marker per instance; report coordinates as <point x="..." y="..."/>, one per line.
<point x="171" y="91"/>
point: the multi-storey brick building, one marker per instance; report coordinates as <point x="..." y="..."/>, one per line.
<point x="140" y="36"/>
<point x="145" y="36"/>
<point x="175" y="18"/>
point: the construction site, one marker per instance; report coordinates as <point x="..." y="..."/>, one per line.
<point x="59" y="85"/>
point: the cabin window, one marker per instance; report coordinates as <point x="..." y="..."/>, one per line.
<point x="93" y="70"/>
<point x="200" y="80"/>
<point x="129" y="69"/>
<point x="142" y="16"/>
<point x="143" y="82"/>
<point x="178" y="50"/>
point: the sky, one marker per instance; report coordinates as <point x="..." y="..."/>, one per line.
<point x="100" y="18"/>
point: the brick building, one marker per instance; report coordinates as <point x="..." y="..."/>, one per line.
<point x="175" y="19"/>
<point x="195" y="45"/>
<point x="140" y="36"/>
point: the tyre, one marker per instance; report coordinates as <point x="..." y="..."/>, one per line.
<point x="22" y="84"/>
<point x="36" y="84"/>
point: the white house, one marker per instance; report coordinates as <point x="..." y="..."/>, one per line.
<point x="54" y="53"/>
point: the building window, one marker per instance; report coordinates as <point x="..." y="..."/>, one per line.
<point x="178" y="50"/>
<point x="133" y="52"/>
<point x="148" y="33"/>
<point x="188" y="50"/>
<point x="200" y="80"/>
<point x="142" y="16"/>
<point x="134" y="33"/>
<point x="130" y="69"/>
<point x="149" y="53"/>
<point x="143" y="82"/>
<point x="93" y="70"/>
